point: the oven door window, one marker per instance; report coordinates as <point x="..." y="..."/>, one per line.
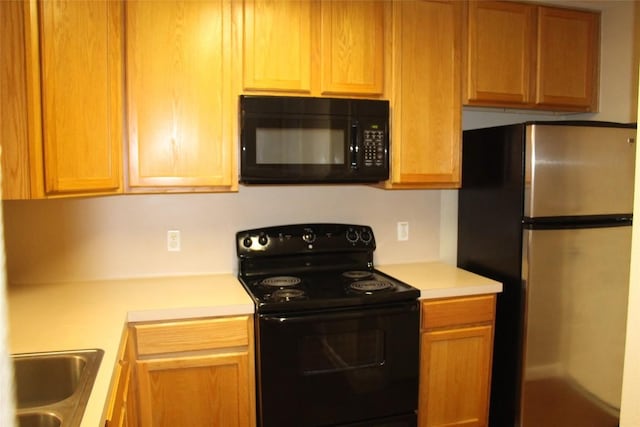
<point x="295" y="149"/>
<point x="326" y="353"/>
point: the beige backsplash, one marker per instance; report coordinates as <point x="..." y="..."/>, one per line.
<point x="125" y="236"/>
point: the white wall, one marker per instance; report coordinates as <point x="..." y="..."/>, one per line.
<point x="630" y="414"/>
<point x="125" y="236"/>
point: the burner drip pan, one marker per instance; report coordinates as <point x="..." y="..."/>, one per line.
<point x="357" y="274"/>
<point x="287" y="295"/>
<point x="370" y="286"/>
<point x="281" y="281"/>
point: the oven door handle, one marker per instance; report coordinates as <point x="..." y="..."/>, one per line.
<point x="358" y="312"/>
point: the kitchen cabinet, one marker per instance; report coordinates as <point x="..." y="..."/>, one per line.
<point x="455" y="361"/>
<point x="425" y="94"/>
<point x="14" y="126"/>
<point x="181" y="113"/>
<point x="521" y="55"/>
<point x="196" y="372"/>
<point x="64" y="127"/>
<point x="122" y="411"/>
<point x="314" y="48"/>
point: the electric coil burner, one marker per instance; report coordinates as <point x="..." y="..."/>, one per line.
<point x="336" y="340"/>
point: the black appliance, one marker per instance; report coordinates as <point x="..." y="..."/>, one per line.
<point x="337" y="342"/>
<point x="546" y="209"/>
<point x="313" y="140"/>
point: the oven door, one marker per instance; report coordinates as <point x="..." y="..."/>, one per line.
<point x="339" y="367"/>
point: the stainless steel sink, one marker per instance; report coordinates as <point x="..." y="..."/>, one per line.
<point x="52" y="389"/>
<point x="38" y="419"/>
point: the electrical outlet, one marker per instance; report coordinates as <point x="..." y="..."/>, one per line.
<point x="173" y="240"/>
<point x="403" y="231"/>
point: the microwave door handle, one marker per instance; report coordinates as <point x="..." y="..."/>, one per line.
<point x="353" y="146"/>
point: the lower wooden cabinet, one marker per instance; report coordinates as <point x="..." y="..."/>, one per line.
<point x="122" y="410"/>
<point x="195" y="372"/>
<point x="455" y="361"/>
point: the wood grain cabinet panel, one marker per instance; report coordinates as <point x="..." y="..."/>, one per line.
<point x="523" y="55"/>
<point x="122" y="410"/>
<point x="277" y="45"/>
<point x="180" y="112"/>
<point x="352" y="47"/>
<point x="201" y="373"/>
<point x="61" y="98"/>
<point x="568" y="57"/>
<point x="314" y="48"/>
<point x="425" y="97"/>
<point x="455" y="361"/>
<point x="195" y="391"/>
<point x="501" y="55"/>
<point x="14" y="122"/>
<point x="76" y="89"/>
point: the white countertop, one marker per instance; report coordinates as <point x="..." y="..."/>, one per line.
<point x="438" y="280"/>
<point x="82" y="315"/>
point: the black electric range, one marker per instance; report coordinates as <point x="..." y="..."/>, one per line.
<point x="314" y="266"/>
<point x="336" y="341"/>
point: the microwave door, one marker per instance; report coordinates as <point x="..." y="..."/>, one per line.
<point x="295" y="149"/>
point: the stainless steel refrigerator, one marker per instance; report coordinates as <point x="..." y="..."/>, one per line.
<point x="546" y="208"/>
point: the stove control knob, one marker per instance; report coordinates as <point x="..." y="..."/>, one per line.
<point x="308" y="235"/>
<point x="352" y="235"/>
<point x="365" y="236"/>
<point x="263" y="239"/>
<point x="247" y="242"/>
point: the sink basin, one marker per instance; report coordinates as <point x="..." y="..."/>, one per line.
<point x="42" y="380"/>
<point x="38" y="419"/>
<point x="52" y="389"/>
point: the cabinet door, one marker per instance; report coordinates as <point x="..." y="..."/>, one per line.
<point x="179" y="108"/>
<point x="81" y="75"/>
<point x="352" y="53"/>
<point x="455" y="376"/>
<point x="426" y="99"/>
<point x="277" y="45"/>
<point x="500" y="53"/>
<point x="122" y="406"/>
<point x="206" y="390"/>
<point x="14" y="125"/>
<point x="568" y="56"/>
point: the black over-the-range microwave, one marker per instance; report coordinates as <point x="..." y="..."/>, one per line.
<point x="291" y="140"/>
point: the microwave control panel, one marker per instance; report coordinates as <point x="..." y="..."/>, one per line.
<point x="374" y="147"/>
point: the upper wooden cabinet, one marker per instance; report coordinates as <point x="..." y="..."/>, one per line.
<point x="63" y="124"/>
<point x="14" y="123"/>
<point x="81" y="75"/>
<point x="526" y="56"/>
<point x="314" y="48"/>
<point x="425" y="95"/>
<point x="568" y="58"/>
<point x="181" y="114"/>
<point x="352" y="38"/>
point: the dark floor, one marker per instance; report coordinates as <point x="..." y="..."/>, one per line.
<point x="553" y="402"/>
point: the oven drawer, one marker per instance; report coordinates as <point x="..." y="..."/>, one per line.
<point x="448" y="312"/>
<point x="192" y="335"/>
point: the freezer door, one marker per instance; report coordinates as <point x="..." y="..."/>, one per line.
<point x="576" y="283"/>
<point x="578" y="170"/>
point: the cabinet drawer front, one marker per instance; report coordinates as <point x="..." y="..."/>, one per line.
<point x="458" y="311"/>
<point x="192" y="335"/>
